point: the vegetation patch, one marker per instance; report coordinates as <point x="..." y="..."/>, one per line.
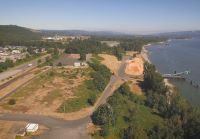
<point x="81" y="100"/>
<point x="51" y="96"/>
<point x="87" y="93"/>
<point x="124" y="109"/>
<point x="159" y="115"/>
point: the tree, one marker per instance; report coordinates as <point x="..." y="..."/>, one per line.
<point x="92" y="99"/>
<point x="82" y="56"/>
<point x="192" y="126"/>
<point x="103" y="115"/>
<point x="39" y="61"/>
<point x="12" y="102"/>
<point x="59" y="64"/>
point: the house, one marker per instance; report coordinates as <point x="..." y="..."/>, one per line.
<point x="32" y="127"/>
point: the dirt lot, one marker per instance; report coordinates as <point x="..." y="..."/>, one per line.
<point x="135" y="66"/>
<point x="111" y="62"/>
<point x="9" y="129"/>
<point x="45" y="93"/>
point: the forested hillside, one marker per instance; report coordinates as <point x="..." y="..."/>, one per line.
<point x="10" y="34"/>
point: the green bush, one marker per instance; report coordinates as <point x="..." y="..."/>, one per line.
<point x="104" y="131"/>
<point x="59" y="64"/>
<point x="92" y="99"/>
<point x="12" y="102"/>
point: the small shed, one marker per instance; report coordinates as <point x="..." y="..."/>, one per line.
<point x="32" y="127"/>
<point x="77" y="64"/>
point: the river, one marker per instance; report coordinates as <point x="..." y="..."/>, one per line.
<point x="179" y="55"/>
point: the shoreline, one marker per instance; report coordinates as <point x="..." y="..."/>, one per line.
<point x="145" y="55"/>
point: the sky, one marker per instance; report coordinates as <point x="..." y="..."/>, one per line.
<point x="131" y="16"/>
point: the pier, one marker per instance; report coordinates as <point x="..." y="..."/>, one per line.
<point x="178" y="75"/>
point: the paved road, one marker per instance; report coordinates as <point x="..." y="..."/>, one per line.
<point x="20" y="68"/>
<point x="62" y="129"/>
<point x="58" y="128"/>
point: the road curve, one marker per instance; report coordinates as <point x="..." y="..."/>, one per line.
<point x="62" y="129"/>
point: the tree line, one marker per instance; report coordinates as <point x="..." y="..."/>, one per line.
<point x="121" y="114"/>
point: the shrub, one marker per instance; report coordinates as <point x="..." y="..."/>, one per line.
<point x="59" y="64"/>
<point x="12" y="102"/>
<point x="104" y="131"/>
<point x="92" y="99"/>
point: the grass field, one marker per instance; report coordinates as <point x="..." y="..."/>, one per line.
<point x="82" y="94"/>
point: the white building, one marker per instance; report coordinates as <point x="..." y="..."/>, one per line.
<point x="32" y="127"/>
<point x="77" y="64"/>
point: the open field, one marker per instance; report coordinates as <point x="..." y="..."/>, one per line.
<point x="111" y="62"/>
<point x="135" y="67"/>
<point x="47" y="91"/>
<point x="111" y="43"/>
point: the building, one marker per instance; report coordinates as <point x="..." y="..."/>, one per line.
<point x="16" y="52"/>
<point x="77" y="64"/>
<point x="32" y="127"/>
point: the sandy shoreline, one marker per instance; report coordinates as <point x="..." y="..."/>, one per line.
<point x="145" y="56"/>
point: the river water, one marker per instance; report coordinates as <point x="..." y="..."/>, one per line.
<point x="180" y="55"/>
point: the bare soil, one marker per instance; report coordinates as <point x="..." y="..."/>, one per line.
<point x="135" y="66"/>
<point x="111" y="62"/>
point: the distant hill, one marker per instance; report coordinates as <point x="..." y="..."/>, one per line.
<point x="81" y="32"/>
<point x="181" y="34"/>
<point x="12" y="33"/>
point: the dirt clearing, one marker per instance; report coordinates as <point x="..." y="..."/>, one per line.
<point x="111" y="62"/>
<point x="135" y="66"/>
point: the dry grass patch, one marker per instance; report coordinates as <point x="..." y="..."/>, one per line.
<point x="135" y="87"/>
<point x="111" y="62"/>
<point x="47" y="91"/>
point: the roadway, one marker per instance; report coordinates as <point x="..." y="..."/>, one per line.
<point x="62" y="129"/>
<point x="23" y="70"/>
<point x="15" y="70"/>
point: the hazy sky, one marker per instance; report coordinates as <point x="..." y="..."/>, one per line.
<point x="133" y="16"/>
